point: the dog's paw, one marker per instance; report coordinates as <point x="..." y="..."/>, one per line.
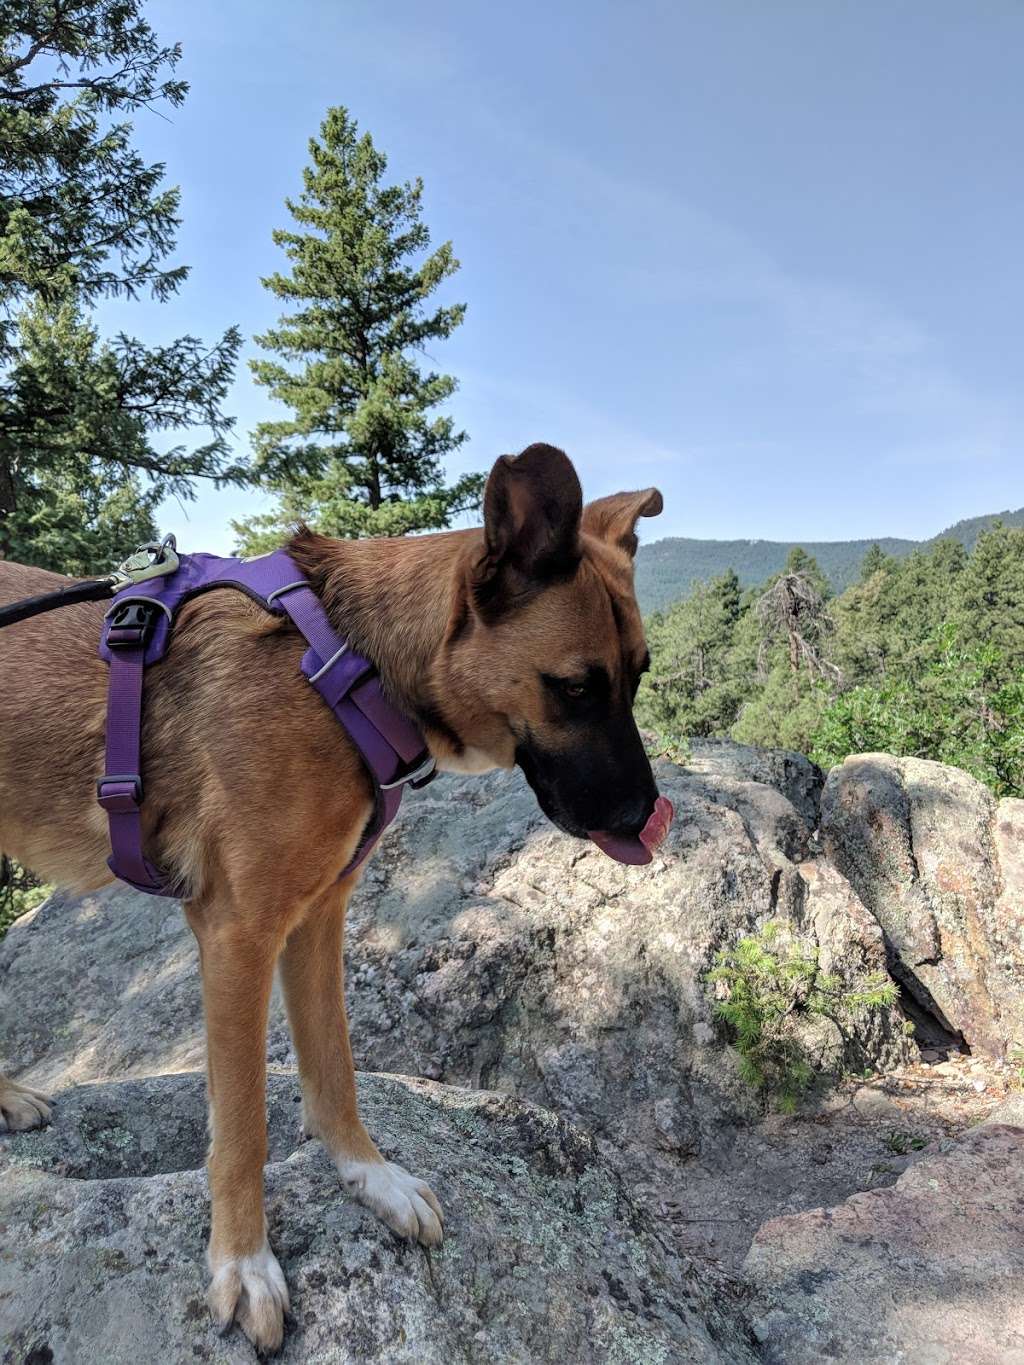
<point x="22" y="1108"/>
<point x="408" y="1205"/>
<point x="251" y="1291"/>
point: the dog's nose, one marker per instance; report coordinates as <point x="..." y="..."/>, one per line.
<point x="632" y="815"/>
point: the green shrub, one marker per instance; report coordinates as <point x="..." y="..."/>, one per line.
<point x="900" y="1143"/>
<point x="19" y="893"/>
<point x="966" y="709"/>
<point x="769" y="991"/>
<point x="659" y="744"/>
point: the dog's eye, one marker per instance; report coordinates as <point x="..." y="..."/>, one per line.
<point x="590" y="687"/>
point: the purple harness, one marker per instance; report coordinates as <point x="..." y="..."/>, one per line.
<point x="137" y="631"/>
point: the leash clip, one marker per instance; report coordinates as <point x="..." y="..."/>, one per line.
<point x="155" y="560"/>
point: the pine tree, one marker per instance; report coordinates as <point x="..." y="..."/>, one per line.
<point x="991" y="594"/>
<point x="82" y="216"/>
<point x="874" y="560"/>
<point x="78" y="434"/>
<point x="692" y="688"/>
<point x="887" y="624"/>
<point x="363" y="453"/>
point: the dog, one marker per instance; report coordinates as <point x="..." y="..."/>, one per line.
<point x="516" y="643"/>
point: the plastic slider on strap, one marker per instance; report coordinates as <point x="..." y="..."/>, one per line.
<point x="120" y="793"/>
<point x="342" y="672"/>
<point x="418" y="777"/>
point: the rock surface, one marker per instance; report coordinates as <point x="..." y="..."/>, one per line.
<point x="926" y="1272"/>
<point x="486" y="949"/>
<point x="798" y="779"/>
<point x="940" y="865"/>
<point x="545" y="1257"/>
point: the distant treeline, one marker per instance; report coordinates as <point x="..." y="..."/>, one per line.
<point x="923" y="655"/>
<point x="667" y="569"/>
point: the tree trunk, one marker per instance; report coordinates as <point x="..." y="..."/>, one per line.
<point x="794" y="651"/>
<point x="8" y="502"/>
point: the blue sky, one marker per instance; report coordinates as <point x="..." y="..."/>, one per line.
<point x="765" y="256"/>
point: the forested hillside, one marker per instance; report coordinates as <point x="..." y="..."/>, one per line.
<point x="923" y="655"/>
<point x="667" y="569"/>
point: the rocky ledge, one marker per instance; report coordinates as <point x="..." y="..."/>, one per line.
<point x="546" y="1258"/>
<point x="579" y="1109"/>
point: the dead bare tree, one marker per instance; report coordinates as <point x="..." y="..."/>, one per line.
<point x="794" y="609"/>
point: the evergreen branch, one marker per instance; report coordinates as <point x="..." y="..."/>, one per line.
<point x="39" y="46"/>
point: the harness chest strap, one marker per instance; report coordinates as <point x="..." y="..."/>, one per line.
<point x="119" y="791"/>
<point x="137" y="632"/>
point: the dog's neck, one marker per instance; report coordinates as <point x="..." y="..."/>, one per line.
<point x="393" y="600"/>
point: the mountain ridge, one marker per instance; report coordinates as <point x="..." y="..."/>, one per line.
<point x="666" y="569"/>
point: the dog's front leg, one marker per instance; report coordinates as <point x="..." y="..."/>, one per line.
<point x="237" y="962"/>
<point x="312" y="980"/>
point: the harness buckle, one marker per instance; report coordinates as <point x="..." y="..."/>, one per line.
<point x="127" y="797"/>
<point x="130" y="624"/>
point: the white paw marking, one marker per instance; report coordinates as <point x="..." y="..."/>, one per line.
<point x="22" y="1108"/>
<point x="252" y="1291"/>
<point x="406" y="1203"/>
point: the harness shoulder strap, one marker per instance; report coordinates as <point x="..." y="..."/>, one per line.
<point x="393" y="749"/>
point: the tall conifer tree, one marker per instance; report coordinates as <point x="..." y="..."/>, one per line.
<point x="82" y="217"/>
<point x="362" y="455"/>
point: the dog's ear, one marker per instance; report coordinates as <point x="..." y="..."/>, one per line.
<point x="613" y="519"/>
<point x="532" y="508"/>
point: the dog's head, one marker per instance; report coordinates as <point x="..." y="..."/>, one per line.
<point x="545" y="653"/>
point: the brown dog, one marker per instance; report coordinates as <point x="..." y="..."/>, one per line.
<point x="518" y="643"/>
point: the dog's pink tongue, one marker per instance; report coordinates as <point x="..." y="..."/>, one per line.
<point x="639" y="851"/>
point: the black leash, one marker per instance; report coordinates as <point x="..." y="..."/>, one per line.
<point x="95" y="590"/>
<point x="148" y="561"/>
